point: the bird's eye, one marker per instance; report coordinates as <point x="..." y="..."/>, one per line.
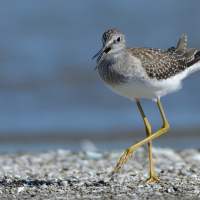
<point x="118" y="39"/>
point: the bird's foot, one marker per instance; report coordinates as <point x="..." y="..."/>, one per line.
<point x="152" y="178"/>
<point x="124" y="158"/>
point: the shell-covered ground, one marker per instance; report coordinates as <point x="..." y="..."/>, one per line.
<point x="62" y="174"/>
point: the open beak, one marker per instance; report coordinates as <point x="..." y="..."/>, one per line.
<point x="98" y="53"/>
<point x="104" y="52"/>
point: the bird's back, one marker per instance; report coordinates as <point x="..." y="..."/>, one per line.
<point x="162" y="64"/>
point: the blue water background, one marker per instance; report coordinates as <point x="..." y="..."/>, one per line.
<point x="47" y="80"/>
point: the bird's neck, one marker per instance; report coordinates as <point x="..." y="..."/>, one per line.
<point x="109" y="68"/>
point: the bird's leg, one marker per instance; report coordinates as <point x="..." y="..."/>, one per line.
<point x="130" y="150"/>
<point x="153" y="176"/>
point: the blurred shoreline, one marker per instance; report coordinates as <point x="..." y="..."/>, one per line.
<point x="94" y="136"/>
<point x="100" y="141"/>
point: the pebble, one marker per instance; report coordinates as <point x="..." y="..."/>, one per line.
<point x="17" y="176"/>
<point x="64" y="183"/>
<point x="169" y="190"/>
<point x="20" y="189"/>
<point x="140" y="186"/>
<point x="62" y="174"/>
<point x="192" y="177"/>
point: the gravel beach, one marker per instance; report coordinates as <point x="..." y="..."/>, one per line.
<point x="62" y="174"/>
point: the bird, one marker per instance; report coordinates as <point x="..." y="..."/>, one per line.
<point x="144" y="72"/>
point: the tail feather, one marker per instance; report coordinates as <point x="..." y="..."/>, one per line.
<point x="197" y="55"/>
<point x="183" y="55"/>
<point x="189" y="55"/>
<point x="195" y="60"/>
<point x="181" y="46"/>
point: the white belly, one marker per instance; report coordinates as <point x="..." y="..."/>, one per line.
<point x="141" y="87"/>
<point x="134" y="90"/>
<point x="151" y="89"/>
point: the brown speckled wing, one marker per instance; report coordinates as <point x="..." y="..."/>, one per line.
<point x="158" y="63"/>
<point x="162" y="64"/>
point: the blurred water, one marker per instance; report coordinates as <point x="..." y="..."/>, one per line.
<point x="47" y="81"/>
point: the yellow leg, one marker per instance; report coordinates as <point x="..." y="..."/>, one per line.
<point x="130" y="150"/>
<point x="153" y="176"/>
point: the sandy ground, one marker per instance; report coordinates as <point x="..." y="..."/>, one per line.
<point x="62" y="174"/>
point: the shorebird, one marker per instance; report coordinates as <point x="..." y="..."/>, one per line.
<point x="142" y="72"/>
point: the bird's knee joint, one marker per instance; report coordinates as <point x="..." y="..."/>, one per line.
<point x="165" y="126"/>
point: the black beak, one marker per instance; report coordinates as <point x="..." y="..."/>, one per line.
<point x="104" y="52"/>
<point x="99" y="52"/>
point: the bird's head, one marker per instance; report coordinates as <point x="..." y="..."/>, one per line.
<point x="113" y="42"/>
